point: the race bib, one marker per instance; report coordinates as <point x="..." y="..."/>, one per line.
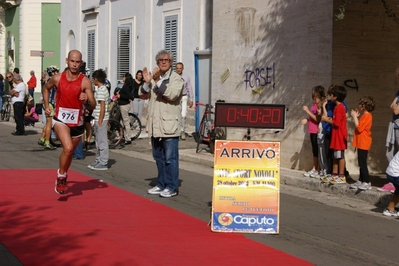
<point x="68" y="115"/>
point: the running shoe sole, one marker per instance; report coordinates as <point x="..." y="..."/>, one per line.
<point x="60" y="185"/>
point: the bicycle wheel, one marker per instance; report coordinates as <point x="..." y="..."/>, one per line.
<point x="7" y="112"/>
<point x="114" y="132"/>
<point x="135" y="126"/>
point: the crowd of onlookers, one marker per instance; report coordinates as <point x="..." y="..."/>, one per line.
<point x="327" y="127"/>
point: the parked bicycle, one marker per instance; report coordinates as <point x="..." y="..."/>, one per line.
<point x="6" y="108"/>
<point x="207" y="133"/>
<point x="115" y="125"/>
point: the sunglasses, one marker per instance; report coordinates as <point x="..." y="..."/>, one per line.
<point x="163" y="60"/>
<point x="9" y="77"/>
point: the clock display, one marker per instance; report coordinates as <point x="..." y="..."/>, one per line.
<point x="268" y="116"/>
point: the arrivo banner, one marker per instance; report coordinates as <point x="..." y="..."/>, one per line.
<point x="246" y="187"/>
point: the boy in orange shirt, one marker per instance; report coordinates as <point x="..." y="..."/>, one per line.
<point x="362" y="140"/>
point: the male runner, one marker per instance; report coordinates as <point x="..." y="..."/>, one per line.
<point x="73" y="91"/>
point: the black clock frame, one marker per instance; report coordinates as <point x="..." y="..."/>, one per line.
<point x="229" y="114"/>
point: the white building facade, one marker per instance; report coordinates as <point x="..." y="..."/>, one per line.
<point x="254" y="51"/>
<point x="124" y="36"/>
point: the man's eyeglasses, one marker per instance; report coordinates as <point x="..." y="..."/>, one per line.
<point x="163" y="60"/>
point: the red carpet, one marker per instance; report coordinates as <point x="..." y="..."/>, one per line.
<point x="99" y="224"/>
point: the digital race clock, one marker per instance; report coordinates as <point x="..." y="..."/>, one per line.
<point x="268" y="116"/>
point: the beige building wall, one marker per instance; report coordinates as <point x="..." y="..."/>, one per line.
<point x="366" y="49"/>
<point x="304" y="46"/>
<point x="274" y="52"/>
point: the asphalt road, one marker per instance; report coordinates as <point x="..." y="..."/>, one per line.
<point x="321" y="228"/>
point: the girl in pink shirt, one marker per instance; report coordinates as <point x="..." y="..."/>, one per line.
<point x="318" y="95"/>
<point x="30" y="116"/>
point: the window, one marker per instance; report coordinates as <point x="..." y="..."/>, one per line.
<point x="171" y="36"/>
<point x="124" y="53"/>
<point x="91" y="48"/>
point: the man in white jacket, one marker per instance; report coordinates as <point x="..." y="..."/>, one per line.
<point x="163" y="87"/>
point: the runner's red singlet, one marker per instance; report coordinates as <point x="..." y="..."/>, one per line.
<point x="68" y="108"/>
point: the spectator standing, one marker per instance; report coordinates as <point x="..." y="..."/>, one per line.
<point x="44" y="78"/>
<point x="10" y="79"/>
<point x="187" y="98"/>
<point x="164" y="88"/>
<point x="392" y="141"/>
<point x="317" y="95"/>
<point x="362" y="140"/>
<point x="16" y="71"/>
<point x="138" y="103"/>
<point x="1" y="90"/>
<point x="392" y="173"/>
<point x="101" y="117"/>
<point x="32" y="82"/>
<point x="18" y="101"/>
<point x="73" y="91"/>
<point x="339" y="136"/>
<point x="125" y="98"/>
<point x="321" y="138"/>
<point x="45" y="139"/>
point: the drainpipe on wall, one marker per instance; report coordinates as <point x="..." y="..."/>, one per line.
<point x="205" y="30"/>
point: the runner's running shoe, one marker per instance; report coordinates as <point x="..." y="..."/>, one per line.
<point x="48" y="146"/>
<point x="60" y="185"/>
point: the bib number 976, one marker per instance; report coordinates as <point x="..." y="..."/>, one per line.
<point x="68" y="115"/>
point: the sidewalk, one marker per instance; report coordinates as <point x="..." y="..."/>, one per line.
<point x="295" y="178"/>
<point x="141" y="148"/>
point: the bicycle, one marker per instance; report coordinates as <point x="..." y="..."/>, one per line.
<point x="116" y="118"/>
<point x="207" y="133"/>
<point x="6" y="108"/>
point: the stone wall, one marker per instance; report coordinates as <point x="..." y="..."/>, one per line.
<point x="273" y="52"/>
<point x="365" y="58"/>
<point x="276" y="52"/>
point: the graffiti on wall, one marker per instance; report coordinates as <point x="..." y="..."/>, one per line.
<point x="260" y="77"/>
<point x="352" y="84"/>
<point x="245" y="25"/>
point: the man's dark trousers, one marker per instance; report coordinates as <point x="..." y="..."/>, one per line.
<point x="19" y="117"/>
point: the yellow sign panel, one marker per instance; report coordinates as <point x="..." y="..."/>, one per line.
<point x="246" y="187"/>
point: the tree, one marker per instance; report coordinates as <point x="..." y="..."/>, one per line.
<point x="388" y="10"/>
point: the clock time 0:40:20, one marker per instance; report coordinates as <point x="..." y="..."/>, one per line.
<point x="268" y="116"/>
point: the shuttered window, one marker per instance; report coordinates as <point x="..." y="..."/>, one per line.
<point x="171" y="36"/>
<point x="124" y="51"/>
<point x="91" y="51"/>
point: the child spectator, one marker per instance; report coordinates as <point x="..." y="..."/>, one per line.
<point x="101" y="117"/>
<point x="339" y="136"/>
<point x="362" y="140"/>
<point x="392" y="141"/>
<point x="318" y="95"/>
<point x="115" y="97"/>
<point x="321" y="138"/>
<point x="392" y="173"/>
<point x="31" y="117"/>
